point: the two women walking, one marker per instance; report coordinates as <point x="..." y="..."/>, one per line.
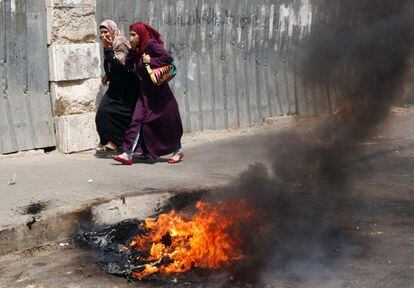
<point x="154" y="125"/>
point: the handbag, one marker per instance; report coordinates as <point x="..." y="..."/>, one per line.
<point x="162" y="74"/>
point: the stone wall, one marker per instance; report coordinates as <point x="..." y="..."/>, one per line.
<point x="74" y="72"/>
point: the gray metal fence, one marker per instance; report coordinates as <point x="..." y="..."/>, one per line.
<point x="236" y="59"/>
<point x="25" y="108"/>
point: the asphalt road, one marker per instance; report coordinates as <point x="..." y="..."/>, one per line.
<point x="381" y="218"/>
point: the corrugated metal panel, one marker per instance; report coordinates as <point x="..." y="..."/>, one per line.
<point x="236" y="59"/>
<point x="25" y="108"/>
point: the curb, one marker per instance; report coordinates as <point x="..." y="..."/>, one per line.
<point x="47" y="229"/>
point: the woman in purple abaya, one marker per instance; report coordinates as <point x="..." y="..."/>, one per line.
<point x="156" y="127"/>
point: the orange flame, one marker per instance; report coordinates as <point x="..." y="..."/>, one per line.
<point x="211" y="239"/>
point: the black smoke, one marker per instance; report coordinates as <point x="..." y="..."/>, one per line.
<point x="359" y="50"/>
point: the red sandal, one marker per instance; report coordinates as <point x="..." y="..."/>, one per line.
<point x="122" y="160"/>
<point x="180" y="158"/>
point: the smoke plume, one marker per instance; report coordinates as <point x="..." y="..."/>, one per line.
<point x="359" y="50"/>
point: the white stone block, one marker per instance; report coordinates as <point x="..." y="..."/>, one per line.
<point x="74" y="62"/>
<point x="135" y="207"/>
<point x="76" y="133"/>
<point x="73" y="25"/>
<point x="75" y="97"/>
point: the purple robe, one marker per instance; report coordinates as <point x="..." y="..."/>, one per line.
<point x="156" y="117"/>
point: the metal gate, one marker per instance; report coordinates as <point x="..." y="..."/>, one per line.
<point x="25" y="107"/>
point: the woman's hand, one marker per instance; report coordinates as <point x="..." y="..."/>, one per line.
<point x="104" y="80"/>
<point x="146" y="58"/>
<point x="132" y="46"/>
<point x="106" y="41"/>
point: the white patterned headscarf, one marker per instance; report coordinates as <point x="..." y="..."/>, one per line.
<point x="119" y="43"/>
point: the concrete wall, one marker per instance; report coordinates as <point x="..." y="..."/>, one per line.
<point x="74" y="72"/>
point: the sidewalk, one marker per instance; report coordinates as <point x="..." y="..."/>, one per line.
<point x="69" y="185"/>
<point x="80" y="189"/>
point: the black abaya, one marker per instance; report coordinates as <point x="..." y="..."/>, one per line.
<point x="117" y="106"/>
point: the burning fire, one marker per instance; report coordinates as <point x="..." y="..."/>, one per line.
<point x="210" y="238"/>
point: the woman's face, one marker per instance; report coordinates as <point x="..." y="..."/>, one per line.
<point x="133" y="39"/>
<point x="105" y="33"/>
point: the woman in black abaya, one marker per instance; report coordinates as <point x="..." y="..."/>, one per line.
<point x="117" y="106"/>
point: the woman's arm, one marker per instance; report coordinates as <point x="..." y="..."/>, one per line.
<point x="131" y="59"/>
<point x="105" y="78"/>
<point x="159" y="55"/>
<point x="109" y="55"/>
